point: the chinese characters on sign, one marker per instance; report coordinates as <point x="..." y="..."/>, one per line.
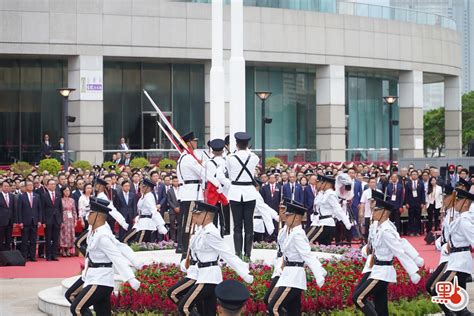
<point x="91" y="86"/>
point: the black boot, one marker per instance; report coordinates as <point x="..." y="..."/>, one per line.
<point x="369" y="309"/>
<point x="248" y="245"/>
<point x="238" y="244"/>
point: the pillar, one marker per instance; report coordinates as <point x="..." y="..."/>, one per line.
<point x="86" y="134"/>
<point x="237" y="72"/>
<point x="453" y="116"/>
<point x="411" y="114"/>
<point x="216" y="109"/>
<point x="330" y="109"/>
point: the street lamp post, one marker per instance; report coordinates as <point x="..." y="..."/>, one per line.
<point x="390" y="100"/>
<point x="65" y="92"/>
<point x="263" y="96"/>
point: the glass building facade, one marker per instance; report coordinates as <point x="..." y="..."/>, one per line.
<point x="29" y="106"/>
<point x="292" y="106"/>
<point x="178" y="89"/>
<point x="368" y="116"/>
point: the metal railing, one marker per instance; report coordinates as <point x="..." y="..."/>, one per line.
<point x="353" y="8"/>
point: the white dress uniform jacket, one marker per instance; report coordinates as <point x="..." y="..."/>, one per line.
<point x="209" y="246"/>
<point x="264" y="216"/>
<point x="387" y="244"/>
<point x="317" y="202"/>
<point x="114" y="213"/>
<point x="277" y="264"/>
<point x="192" y="271"/>
<point x="296" y="248"/>
<point x="461" y="235"/>
<point x="102" y="248"/>
<point x="242" y="192"/>
<point x="370" y="240"/>
<point x="329" y="205"/>
<point x="210" y="172"/>
<point x="450" y="213"/>
<point x="189" y="170"/>
<point x="147" y="206"/>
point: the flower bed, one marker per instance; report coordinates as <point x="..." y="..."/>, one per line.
<point x="151" y="246"/>
<point x="319" y="248"/>
<point x="334" y="296"/>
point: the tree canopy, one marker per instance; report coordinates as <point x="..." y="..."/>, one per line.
<point x="467" y="118"/>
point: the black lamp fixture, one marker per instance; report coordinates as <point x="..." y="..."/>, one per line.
<point x="390" y="100"/>
<point x="263" y="96"/>
<point x="65" y="93"/>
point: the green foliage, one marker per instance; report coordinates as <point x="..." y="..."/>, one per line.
<point x="139" y="163"/>
<point x="3" y="172"/>
<point x="51" y="165"/>
<point x="106" y="165"/>
<point x="467" y="118"/>
<point x="272" y="162"/>
<point x="433" y="125"/>
<point x="165" y="161"/>
<point x="21" y="167"/>
<point x="82" y="164"/>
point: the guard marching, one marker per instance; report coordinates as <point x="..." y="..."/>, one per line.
<point x="191" y="190"/>
<point x="149" y="219"/>
<point x="296" y="252"/>
<point x="242" y="195"/>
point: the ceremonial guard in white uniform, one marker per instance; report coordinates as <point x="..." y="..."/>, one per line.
<point x="314" y="218"/>
<point x="386" y="244"/>
<point x="296" y="253"/>
<point x="459" y="244"/>
<point x="329" y="210"/>
<point x="449" y="215"/>
<point x="103" y="257"/>
<point x="189" y="174"/>
<point x="149" y="219"/>
<point x="242" y="195"/>
<point x="208" y="247"/>
<point x="214" y="172"/>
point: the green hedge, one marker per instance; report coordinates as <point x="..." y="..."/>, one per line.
<point x="165" y="161"/>
<point x="272" y="162"/>
<point x="21" y="167"/>
<point x="51" y="165"/>
<point x="106" y="165"/>
<point x="82" y="164"/>
<point x="139" y="163"/>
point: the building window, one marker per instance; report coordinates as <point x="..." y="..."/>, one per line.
<point x="29" y="106"/>
<point x="368" y="116"/>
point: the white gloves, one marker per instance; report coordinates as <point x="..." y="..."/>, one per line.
<point x="363" y="251"/>
<point x="415" y="278"/>
<point x="182" y="265"/>
<point x="320" y="281"/>
<point x="348" y="227"/>
<point x="162" y="229"/>
<point x="419" y="262"/>
<point x="444" y="249"/>
<point x="134" y="283"/>
<point x="124" y="225"/>
<point x="248" y="278"/>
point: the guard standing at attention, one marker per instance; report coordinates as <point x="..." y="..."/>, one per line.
<point x="242" y="194"/>
<point x="189" y="174"/>
<point x="148" y="219"/>
<point x="103" y="257"/>
<point x="296" y="253"/>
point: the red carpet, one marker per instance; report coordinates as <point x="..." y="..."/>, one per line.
<point x="67" y="267"/>
<point x="64" y="268"/>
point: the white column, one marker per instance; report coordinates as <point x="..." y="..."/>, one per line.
<point x="86" y="134"/>
<point x="452" y="116"/>
<point x="411" y="114"/>
<point x="330" y="109"/>
<point x="217" y="110"/>
<point x="237" y="72"/>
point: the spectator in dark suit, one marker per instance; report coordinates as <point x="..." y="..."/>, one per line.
<point x="29" y="218"/>
<point x="159" y="191"/>
<point x="395" y="198"/>
<point x="46" y="147"/>
<point x="60" y="147"/>
<point x="127" y="159"/>
<point x="123" y="145"/>
<point x="292" y="190"/>
<point x="135" y="184"/>
<point x="309" y="195"/>
<point x="76" y="195"/>
<point x="52" y="219"/>
<point x="126" y="206"/>
<point x="173" y="209"/>
<point x="271" y="193"/>
<point x="7" y="216"/>
<point x="358" y="190"/>
<point x="414" y="201"/>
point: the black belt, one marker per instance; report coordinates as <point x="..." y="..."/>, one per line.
<point x="242" y="183"/>
<point x="325" y="216"/>
<point x="258" y="217"/>
<point x="383" y="263"/>
<point x="99" y="265"/>
<point x="192" y="262"/>
<point x="192" y="181"/>
<point x="460" y="249"/>
<point x="145" y="216"/>
<point x="294" y="264"/>
<point x="207" y="264"/>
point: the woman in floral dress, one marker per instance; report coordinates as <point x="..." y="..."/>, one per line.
<point x="69" y="222"/>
